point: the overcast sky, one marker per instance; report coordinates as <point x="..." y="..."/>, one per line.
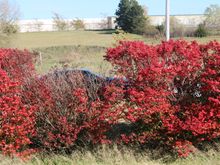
<point x="43" y="9"/>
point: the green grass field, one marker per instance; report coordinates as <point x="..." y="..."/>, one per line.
<point x="65" y="38"/>
<point x="86" y="57"/>
<point x="78" y="49"/>
<point x="85" y="38"/>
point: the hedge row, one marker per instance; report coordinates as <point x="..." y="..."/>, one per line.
<point x="170" y="97"/>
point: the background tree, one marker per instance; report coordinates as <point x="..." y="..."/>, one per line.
<point x="9" y="15"/>
<point x="78" y="24"/>
<point x="130" y="17"/>
<point x="145" y="8"/>
<point x="59" y="23"/>
<point x="212" y="19"/>
<point x="201" y="31"/>
<point x="38" y="25"/>
<point x="177" y="29"/>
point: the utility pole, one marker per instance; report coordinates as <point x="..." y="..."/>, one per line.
<point x="167" y="20"/>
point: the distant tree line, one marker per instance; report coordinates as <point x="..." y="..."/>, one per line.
<point x="132" y="18"/>
<point x="61" y="24"/>
<point x="9" y="15"/>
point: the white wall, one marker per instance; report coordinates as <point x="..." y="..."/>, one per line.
<point x="188" y="20"/>
<point x="102" y="23"/>
<point x="48" y="25"/>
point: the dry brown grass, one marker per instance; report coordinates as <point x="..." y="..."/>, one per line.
<point x="106" y="156"/>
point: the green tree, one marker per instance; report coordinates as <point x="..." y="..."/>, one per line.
<point x="131" y="17"/>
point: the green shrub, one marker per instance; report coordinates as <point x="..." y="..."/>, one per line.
<point x="151" y="31"/>
<point x="161" y="29"/>
<point x="8" y="28"/>
<point x="78" y="24"/>
<point x="201" y="31"/>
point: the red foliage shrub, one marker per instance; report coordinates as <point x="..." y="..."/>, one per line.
<point x="18" y="64"/>
<point x="171" y="96"/>
<point x="174" y="91"/>
<point x="69" y="112"/>
<point x="16" y="120"/>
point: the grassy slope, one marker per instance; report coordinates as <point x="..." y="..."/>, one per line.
<point x="47" y="39"/>
<point x="78" y="49"/>
<point x="86" y="38"/>
<point x="86" y="57"/>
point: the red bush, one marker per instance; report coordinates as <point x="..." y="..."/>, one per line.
<point x="18" y="64"/>
<point x="68" y="110"/>
<point x="170" y="97"/>
<point x="16" y="120"/>
<point x="174" y="91"/>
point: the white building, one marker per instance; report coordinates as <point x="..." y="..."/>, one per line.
<point x="48" y="24"/>
<point x="188" y="20"/>
<point x="102" y="23"/>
